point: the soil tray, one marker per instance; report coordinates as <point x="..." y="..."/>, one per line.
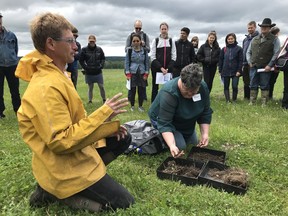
<point x="220" y="176"/>
<point x="205" y="154"/>
<point x="179" y="169"/>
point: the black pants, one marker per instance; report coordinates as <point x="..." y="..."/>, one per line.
<point x="107" y="191"/>
<point x="141" y="91"/>
<point x="285" y="92"/>
<point x="273" y="79"/>
<point x="209" y="74"/>
<point x="155" y="86"/>
<point x="13" y="83"/>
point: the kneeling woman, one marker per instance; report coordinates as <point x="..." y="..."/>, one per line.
<point x="179" y="104"/>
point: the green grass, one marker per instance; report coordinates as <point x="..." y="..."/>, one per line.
<point x="253" y="137"/>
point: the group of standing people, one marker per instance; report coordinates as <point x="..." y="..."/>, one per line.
<point x="167" y="56"/>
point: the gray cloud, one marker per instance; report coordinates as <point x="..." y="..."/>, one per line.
<point x="112" y="20"/>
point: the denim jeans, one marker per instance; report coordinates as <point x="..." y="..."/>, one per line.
<point x="257" y="79"/>
<point x="235" y="81"/>
<point x="180" y="140"/>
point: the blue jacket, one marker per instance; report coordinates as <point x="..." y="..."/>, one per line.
<point x="230" y="60"/>
<point x="8" y="48"/>
<point x="139" y="60"/>
<point x="246" y="43"/>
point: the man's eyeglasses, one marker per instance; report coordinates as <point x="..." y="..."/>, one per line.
<point x="138" y="28"/>
<point x="67" y="40"/>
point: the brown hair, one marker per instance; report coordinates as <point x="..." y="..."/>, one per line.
<point x="47" y="25"/>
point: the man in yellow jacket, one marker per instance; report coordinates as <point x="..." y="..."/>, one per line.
<point x="70" y="149"/>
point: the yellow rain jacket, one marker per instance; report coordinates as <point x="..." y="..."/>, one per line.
<point x="54" y="124"/>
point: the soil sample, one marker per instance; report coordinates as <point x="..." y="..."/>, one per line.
<point x="205" y="156"/>
<point x="184" y="170"/>
<point x="232" y="176"/>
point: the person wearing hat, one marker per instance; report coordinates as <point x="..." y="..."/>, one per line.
<point x="8" y="64"/>
<point x="92" y="60"/>
<point x="261" y="55"/>
<point x="185" y="52"/>
<point x="73" y="67"/>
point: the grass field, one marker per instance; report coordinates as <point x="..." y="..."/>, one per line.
<point x="253" y="137"/>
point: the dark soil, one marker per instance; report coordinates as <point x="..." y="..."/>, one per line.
<point x="184" y="170"/>
<point x="232" y="176"/>
<point x="204" y="156"/>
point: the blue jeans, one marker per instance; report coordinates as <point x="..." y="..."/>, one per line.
<point x="257" y="79"/>
<point x="180" y="140"/>
<point x="235" y="81"/>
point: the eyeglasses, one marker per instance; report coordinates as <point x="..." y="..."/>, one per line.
<point x="67" y="40"/>
<point x="138" y="28"/>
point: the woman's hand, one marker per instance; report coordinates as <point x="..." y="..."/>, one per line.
<point x="175" y="152"/>
<point x="116" y="104"/>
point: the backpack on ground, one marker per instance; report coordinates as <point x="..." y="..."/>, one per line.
<point x="145" y="138"/>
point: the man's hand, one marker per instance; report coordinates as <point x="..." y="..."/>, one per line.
<point x="116" y="104"/>
<point x="121" y="133"/>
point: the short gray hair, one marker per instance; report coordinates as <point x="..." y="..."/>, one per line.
<point x="191" y="76"/>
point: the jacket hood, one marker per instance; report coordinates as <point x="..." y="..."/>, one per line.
<point x="30" y="63"/>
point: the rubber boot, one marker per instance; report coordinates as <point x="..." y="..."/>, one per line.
<point x="247" y="92"/>
<point x="264" y="97"/>
<point x="253" y="96"/>
<point x="227" y="95"/>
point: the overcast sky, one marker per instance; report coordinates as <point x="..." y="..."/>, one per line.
<point x="112" y="20"/>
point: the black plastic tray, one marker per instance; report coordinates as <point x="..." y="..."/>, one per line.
<point x="188" y="180"/>
<point x="204" y="178"/>
<point x="217" y="156"/>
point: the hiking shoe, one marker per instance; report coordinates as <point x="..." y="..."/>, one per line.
<point x="40" y="198"/>
<point x="79" y="202"/>
<point x="141" y="109"/>
<point x="132" y="108"/>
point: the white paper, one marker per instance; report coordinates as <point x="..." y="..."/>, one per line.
<point x="162" y="79"/>
<point x="128" y="84"/>
<point x="263" y="70"/>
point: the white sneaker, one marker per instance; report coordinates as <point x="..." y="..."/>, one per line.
<point x="141" y="109"/>
<point x="132" y="108"/>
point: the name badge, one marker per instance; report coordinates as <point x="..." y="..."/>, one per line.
<point x="196" y="97"/>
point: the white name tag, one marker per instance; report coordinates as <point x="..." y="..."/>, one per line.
<point x="196" y="97"/>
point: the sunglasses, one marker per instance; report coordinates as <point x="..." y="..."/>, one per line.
<point x="138" y="28"/>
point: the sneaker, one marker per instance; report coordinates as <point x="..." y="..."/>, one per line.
<point x="132" y="108"/>
<point x="2" y="116"/>
<point x="90" y="102"/>
<point x="141" y="109"/>
<point x="40" y="198"/>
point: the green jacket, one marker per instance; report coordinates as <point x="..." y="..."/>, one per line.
<point x="262" y="51"/>
<point x="174" y="112"/>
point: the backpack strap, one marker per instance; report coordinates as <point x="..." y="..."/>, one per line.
<point x="157" y="41"/>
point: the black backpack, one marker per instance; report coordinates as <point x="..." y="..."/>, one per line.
<point x="145" y="138"/>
